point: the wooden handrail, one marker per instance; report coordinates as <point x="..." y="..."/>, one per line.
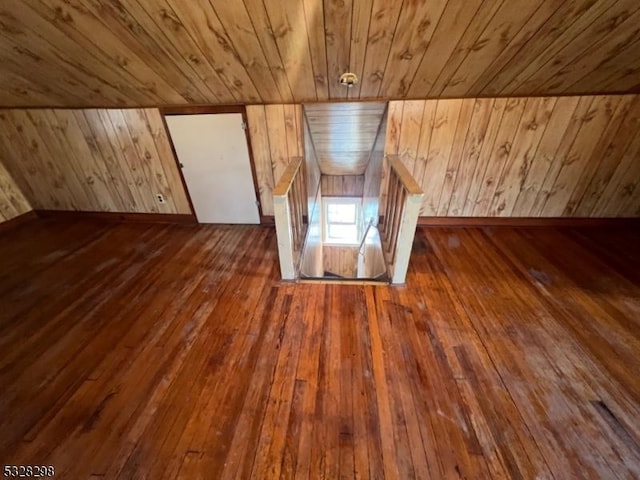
<point x="289" y="205"/>
<point x="404" y="198"/>
<point x="405" y="177"/>
<point x="286" y="180"/>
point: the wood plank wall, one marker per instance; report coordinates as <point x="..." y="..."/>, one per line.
<point x="372" y="195"/>
<point x="341" y="261"/>
<point x="522" y="157"/>
<point x="150" y="53"/>
<point x="312" y="170"/>
<point x="342" y="185"/>
<point x="276" y="136"/>
<point x="311" y="264"/>
<point x="12" y="201"/>
<point x="92" y="160"/>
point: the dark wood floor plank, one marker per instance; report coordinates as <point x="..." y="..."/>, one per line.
<point x="417" y="439"/>
<point x="592" y="274"/>
<point x="267" y="327"/>
<point x="141" y="355"/>
<point x="158" y="351"/>
<point x="38" y="244"/>
<point x="508" y="448"/>
<point x="602" y="308"/>
<point x="212" y="353"/>
<point x="620" y="252"/>
<point x="381" y="377"/>
<point x="268" y="459"/>
<point x="402" y="434"/>
<point x="611" y="379"/>
<point x="368" y="449"/>
<point x="62" y="356"/>
<point x="344" y="315"/>
<point x="504" y="325"/>
<point x="192" y="358"/>
<point x="327" y="464"/>
<point x="308" y="378"/>
<point x="435" y="390"/>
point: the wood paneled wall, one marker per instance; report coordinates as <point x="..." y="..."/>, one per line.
<point x="372" y="195"/>
<point x="159" y="52"/>
<point x="276" y="133"/>
<point x="12" y="201"/>
<point x="341" y="261"/>
<point x="522" y="157"/>
<point x="342" y="185"/>
<point x="92" y="160"/>
<point x="313" y="175"/>
<point x="311" y="264"/>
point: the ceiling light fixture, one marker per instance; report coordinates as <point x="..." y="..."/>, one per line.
<point x="348" y="79"/>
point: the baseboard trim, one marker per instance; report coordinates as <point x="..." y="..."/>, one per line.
<point x="528" y="222"/>
<point x="271" y="220"/>
<point x="17" y="221"/>
<point x="119" y="216"/>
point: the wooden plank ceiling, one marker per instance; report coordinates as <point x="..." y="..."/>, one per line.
<point x="343" y="134"/>
<point x="158" y="52"/>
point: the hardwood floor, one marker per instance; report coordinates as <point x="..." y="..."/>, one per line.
<point x="157" y="351"/>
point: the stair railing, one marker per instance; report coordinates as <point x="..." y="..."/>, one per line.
<point x="401" y="211"/>
<point x="289" y="200"/>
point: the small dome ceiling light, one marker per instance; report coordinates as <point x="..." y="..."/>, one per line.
<point x="348" y="79"/>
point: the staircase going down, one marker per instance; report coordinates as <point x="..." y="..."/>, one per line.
<point x="344" y="212"/>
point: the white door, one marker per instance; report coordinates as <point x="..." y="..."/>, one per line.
<point x="213" y="151"/>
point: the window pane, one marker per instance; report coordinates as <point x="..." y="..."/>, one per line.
<point x="341" y="213"/>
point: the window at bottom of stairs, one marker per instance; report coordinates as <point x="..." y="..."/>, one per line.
<point x="342" y="220"/>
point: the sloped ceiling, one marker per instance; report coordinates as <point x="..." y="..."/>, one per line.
<point x="159" y="52"/>
<point x="343" y="134"/>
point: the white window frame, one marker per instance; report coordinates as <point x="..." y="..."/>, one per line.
<point x="357" y="202"/>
